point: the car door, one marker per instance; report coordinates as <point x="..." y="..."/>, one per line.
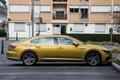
<point x="66" y="49"/>
<point x="46" y="48"/>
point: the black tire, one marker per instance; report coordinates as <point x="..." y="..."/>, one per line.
<point x="29" y="58"/>
<point x="93" y="58"/>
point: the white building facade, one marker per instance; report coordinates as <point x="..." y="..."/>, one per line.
<point x="61" y="17"/>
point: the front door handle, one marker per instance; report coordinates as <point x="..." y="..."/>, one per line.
<point x="60" y="48"/>
<point x="38" y="47"/>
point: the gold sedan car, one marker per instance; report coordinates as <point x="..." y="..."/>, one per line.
<point x="57" y="48"/>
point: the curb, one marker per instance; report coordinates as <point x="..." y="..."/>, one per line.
<point x="116" y="66"/>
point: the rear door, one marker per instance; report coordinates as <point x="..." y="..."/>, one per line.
<point x="46" y="48"/>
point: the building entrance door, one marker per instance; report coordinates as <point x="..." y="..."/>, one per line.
<point x="63" y="29"/>
<point x="59" y="29"/>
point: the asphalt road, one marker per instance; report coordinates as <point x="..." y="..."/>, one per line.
<point x="10" y="70"/>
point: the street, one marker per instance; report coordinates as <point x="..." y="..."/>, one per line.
<point x="14" y="70"/>
<point x="10" y="70"/>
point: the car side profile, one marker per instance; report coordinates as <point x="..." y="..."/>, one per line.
<point x="57" y="48"/>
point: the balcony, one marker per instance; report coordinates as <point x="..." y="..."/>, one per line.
<point x="59" y="16"/>
<point x="59" y="0"/>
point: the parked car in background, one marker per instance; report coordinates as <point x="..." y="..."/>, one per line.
<point x="57" y="48"/>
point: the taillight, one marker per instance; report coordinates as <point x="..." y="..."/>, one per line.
<point x="11" y="47"/>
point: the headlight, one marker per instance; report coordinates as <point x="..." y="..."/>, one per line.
<point x="107" y="52"/>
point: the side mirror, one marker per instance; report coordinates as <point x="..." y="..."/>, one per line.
<point x="75" y="43"/>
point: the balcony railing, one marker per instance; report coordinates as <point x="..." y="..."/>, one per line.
<point x="59" y="0"/>
<point x="59" y="16"/>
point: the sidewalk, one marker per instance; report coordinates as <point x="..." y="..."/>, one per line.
<point x="3" y="58"/>
<point x="116" y="66"/>
<point x="114" y="62"/>
<point x="2" y="38"/>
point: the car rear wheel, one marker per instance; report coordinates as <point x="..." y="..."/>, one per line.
<point x="29" y="58"/>
<point x="93" y="58"/>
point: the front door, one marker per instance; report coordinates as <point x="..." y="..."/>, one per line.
<point x="66" y="50"/>
<point x="63" y="29"/>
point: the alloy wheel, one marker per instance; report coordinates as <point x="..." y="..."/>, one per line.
<point x="29" y="58"/>
<point x="93" y="58"/>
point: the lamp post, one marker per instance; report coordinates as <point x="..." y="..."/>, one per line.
<point x="32" y="17"/>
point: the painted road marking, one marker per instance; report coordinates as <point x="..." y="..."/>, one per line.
<point x="59" y="67"/>
<point x="53" y="73"/>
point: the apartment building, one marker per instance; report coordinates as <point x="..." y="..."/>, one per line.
<point x="61" y="17"/>
<point x="3" y="14"/>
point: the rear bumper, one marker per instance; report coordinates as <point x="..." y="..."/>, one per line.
<point x="11" y="55"/>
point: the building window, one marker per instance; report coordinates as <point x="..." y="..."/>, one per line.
<point x="19" y="8"/>
<point x="74" y="10"/>
<point x="36" y="15"/>
<point x="41" y="28"/>
<point x="84" y="13"/>
<point x="19" y="27"/>
<point x="100" y="9"/>
<point x="117" y="9"/>
<point x="56" y="29"/>
<point x="36" y="9"/>
<point x="45" y="9"/>
<point x="78" y="28"/>
<point x="60" y="13"/>
<point x="100" y="28"/>
<point x="83" y="0"/>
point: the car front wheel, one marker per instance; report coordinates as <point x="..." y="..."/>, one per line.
<point x="93" y="58"/>
<point x="29" y="58"/>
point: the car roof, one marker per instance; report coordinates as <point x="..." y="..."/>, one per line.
<point x="42" y="36"/>
<point x="51" y="36"/>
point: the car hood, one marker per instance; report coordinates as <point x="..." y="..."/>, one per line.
<point x="90" y="46"/>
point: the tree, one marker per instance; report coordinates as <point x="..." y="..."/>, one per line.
<point x="116" y="19"/>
